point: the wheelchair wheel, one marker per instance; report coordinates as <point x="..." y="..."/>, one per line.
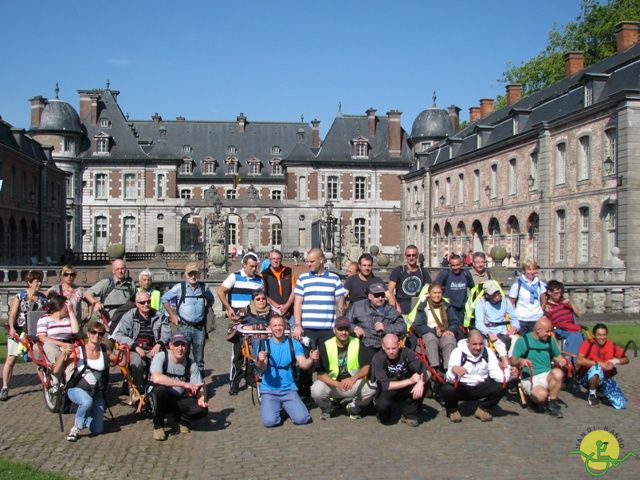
<point x="256" y="394"/>
<point x="52" y="393"/>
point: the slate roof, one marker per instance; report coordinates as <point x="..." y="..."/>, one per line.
<point x="612" y="75"/>
<point x="59" y="116"/>
<point x="337" y="145"/>
<point x="433" y="122"/>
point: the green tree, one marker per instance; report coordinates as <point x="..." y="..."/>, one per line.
<point x="593" y="32"/>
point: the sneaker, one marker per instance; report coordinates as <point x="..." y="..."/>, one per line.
<point x="234" y="389"/>
<point x="483" y="415"/>
<point x="4" y="394"/>
<point x="325" y="414"/>
<point x="158" y="434"/>
<point x="353" y="411"/>
<point x="454" y="416"/>
<point x="553" y="408"/>
<point x="593" y="400"/>
<point x="73" y="434"/>
<point x="410" y="421"/>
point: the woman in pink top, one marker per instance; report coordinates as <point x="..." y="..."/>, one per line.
<point x="57" y="329"/>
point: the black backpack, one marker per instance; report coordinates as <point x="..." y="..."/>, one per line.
<point x="183" y="296"/>
<point x="264" y="345"/>
<point x="78" y="373"/>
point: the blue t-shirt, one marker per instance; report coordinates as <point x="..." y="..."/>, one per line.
<point x="279" y="372"/>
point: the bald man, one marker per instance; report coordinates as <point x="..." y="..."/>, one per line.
<point x="400" y="377"/>
<point x="538" y="349"/>
<point x="114" y="291"/>
<point x="477" y="371"/>
<point x="319" y="294"/>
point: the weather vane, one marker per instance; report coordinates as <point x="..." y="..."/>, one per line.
<point x="434" y="98"/>
<point x="57" y="90"/>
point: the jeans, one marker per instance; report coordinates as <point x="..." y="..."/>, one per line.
<point x="197" y="337"/>
<point x="273" y="401"/>
<point x="572" y="340"/>
<point x="90" y="411"/>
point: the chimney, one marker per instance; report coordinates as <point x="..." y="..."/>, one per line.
<point x="242" y="122"/>
<point x="395" y="137"/>
<point x="514" y="93"/>
<point x="454" y="115"/>
<point x="486" y="106"/>
<point x="626" y="35"/>
<point x="315" y="127"/>
<point x="474" y="114"/>
<point x="37" y="106"/>
<point x="371" y="115"/>
<point x="573" y="63"/>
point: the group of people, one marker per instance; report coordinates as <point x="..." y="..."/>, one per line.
<point x="366" y="342"/>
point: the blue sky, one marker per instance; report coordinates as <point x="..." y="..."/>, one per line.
<point x="272" y="60"/>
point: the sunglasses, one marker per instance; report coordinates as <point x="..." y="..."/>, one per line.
<point x="343" y="329"/>
<point x="378" y="295"/>
<point x="96" y="332"/>
<point x="69" y="274"/>
<point x="180" y="345"/>
<point x="261" y="298"/>
<point x="193" y="274"/>
<point x="144" y="302"/>
<point x="411" y="255"/>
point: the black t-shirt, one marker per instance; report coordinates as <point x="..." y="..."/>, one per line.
<point x="358" y="288"/>
<point x="408" y="284"/>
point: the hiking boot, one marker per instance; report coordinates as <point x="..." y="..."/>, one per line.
<point x="454" y="416"/>
<point x="234" y="389"/>
<point x="4" y="394"/>
<point x="593" y="400"/>
<point x="410" y="421"/>
<point x="353" y="411"/>
<point x="73" y="434"/>
<point x="553" y="408"/>
<point x="483" y="415"/>
<point x="158" y="434"/>
<point x="325" y="414"/>
<point x="184" y="429"/>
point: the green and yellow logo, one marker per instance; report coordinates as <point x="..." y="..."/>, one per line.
<point x="600" y="450"/>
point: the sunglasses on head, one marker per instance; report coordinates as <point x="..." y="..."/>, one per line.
<point x="97" y="332"/>
<point x="144" y="302"/>
<point x="69" y="274"/>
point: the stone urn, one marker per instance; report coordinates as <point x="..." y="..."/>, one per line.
<point x="218" y="260"/>
<point x="115" y="251"/>
<point x="374" y="250"/>
<point x="498" y="253"/>
<point x="158" y="249"/>
<point x="382" y="261"/>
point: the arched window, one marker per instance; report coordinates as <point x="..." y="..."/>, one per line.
<point x="561" y="164"/>
<point x="584" y="158"/>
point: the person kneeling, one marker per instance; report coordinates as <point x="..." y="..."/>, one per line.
<point x="177" y="391"/>
<point x="401" y="377"/>
<point x="597" y="362"/>
<point x="278" y="357"/>
<point x="343" y="372"/>
<point x="478" y="375"/>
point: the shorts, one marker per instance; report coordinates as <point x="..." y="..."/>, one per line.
<point x="539" y="380"/>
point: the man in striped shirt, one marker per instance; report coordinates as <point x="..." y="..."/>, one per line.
<point x="235" y="295"/>
<point x="318" y="295"/>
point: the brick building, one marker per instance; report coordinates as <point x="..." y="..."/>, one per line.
<point x="552" y="176"/>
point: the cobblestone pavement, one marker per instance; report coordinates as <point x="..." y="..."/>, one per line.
<point x="231" y="442"/>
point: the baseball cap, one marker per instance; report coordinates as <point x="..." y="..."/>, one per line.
<point x="342" y="322"/>
<point x="191" y="267"/>
<point x="490" y="287"/>
<point x="377" y="288"/>
<point x="179" y="337"/>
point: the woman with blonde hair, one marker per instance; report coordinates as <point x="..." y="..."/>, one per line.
<point x="528" y="295"/>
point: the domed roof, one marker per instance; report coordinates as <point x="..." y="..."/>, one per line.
<point x="59" y="115"/>
<point x="433" y="122"/>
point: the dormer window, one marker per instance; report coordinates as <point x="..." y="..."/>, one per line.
<point x="232" y="150"/>
<point x="103" y="144"/>
<point x="276" y="166"/>
<point x="68" y="144"/>
<point x="105" y="123"/>
<point x="360" y="147"/>
<point x="187" y="165"/>
<point x="254" y="166"/>
<point x="232" y="166"/>
<point x="209" y="166"/>
<point x="276" y="150"/>
<point x="425" y="146"/>
<point x="186" y="149"/>
<point x="588" y="94"/>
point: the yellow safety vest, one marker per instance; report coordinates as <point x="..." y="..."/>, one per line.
<point x="353" y="349"/>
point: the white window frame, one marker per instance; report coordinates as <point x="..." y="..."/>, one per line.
<point x="561" y="234"/>
<point x="101" y="186"/>
<point x="476" y="185"/>
<point x="584" y="158"/>
<point x="460" y="188"/>
<point x="276" y="195"/>
<point x="360" y="231"/>
<point x="231" y="194"/>
<point x="611" y="148"/>
<point x="513" y="176"/>
<point x="360" y="188"/>
<point x="101" y="233"/>
<point x="333" y="187"/>
<point x="276" y="234"/>
<point x="584" y="246"/>
<point x="561" y="163"/>
<point x="130" y="186"/>
<point x="185" y="193"/>
<point x="161" y="190"/>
